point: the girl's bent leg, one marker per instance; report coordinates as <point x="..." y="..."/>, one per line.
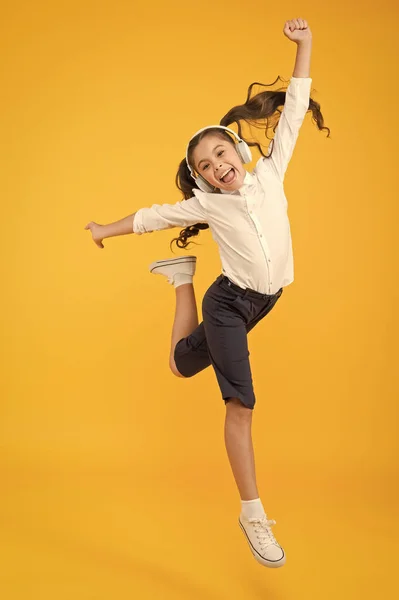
<point x="185" y="321"/>
<point x="239" y="448"/>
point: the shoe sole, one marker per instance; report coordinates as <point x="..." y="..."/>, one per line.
<point x="266" y="563"/>
<point x="172" y="261"/>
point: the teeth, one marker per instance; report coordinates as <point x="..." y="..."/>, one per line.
<point x="225" y="173"/>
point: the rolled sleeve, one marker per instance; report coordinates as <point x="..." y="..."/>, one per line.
<point x="292" y="116"/>
<point x="165" y="216"/>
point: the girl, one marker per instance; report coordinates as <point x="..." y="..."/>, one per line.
<point x="247" y="215"/>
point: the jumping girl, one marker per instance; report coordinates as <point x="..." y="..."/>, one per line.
<point x="247" y="215"/>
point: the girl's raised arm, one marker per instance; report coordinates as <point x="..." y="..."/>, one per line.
<point x="296" y="100"/>
<point x="298" y="31"/>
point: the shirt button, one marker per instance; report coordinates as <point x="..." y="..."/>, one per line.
<point x="260" y="235"/>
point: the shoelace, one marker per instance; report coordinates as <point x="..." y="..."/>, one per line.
<point x="263" y="531"/>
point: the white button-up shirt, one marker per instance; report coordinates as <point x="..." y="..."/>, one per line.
<point x="250" y="225"/>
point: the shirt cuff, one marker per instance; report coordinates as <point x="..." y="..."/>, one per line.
<point x="138" y="226"/>
<point x="301" y="78"/>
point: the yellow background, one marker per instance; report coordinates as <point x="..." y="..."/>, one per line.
<point x="115" y="481"/>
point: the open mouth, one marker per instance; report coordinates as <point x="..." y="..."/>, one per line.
<point x="230" y="176"/>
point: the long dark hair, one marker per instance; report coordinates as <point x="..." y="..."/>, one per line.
<point x="261" y="111"/>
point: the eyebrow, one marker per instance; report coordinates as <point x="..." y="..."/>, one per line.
<point x="215" y="148"/>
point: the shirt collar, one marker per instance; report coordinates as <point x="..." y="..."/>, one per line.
<point x="248" y="180"/>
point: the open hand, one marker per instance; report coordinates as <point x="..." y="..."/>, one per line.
<point x="297" y="30"/>
<point x="96" y="232"/>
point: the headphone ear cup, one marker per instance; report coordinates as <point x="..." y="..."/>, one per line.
<point x="203" y="184"/>
<point x="244" y="152"/>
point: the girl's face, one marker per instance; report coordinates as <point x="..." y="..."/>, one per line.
<point x="213" y="158"/>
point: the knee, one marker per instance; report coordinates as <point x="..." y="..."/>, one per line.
<point x="174" y="369"/>
<point x="237" y="411"/>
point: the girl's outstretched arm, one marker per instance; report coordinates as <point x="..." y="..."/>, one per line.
<point x="154" y="218"/>
<point x="100" y="232"/>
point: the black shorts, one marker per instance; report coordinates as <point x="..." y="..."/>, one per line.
<point x="229" y="313"/>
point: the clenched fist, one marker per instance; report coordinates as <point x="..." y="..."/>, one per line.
<point x="297" y="30"/>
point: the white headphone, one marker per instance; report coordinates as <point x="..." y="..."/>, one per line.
<point x="242" y="149"/>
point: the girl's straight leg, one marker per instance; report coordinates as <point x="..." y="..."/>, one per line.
<point x="185" y="321"/>
<point x="238" y="440"/>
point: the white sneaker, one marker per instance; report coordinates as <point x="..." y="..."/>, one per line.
<point x="170" y="267"/>
<point x="262" y="542"/>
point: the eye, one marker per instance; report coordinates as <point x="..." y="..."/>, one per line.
<point x="219" y="154"/>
